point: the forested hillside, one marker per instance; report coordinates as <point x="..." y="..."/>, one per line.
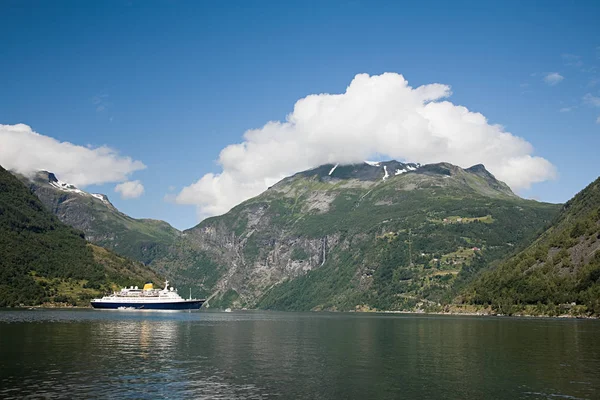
<point x="44" y="260"/>
<point x="559" y="273"/>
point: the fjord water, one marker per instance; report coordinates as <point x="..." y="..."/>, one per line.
<point x="256" y="355"/>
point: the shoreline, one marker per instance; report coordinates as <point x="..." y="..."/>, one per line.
<point x="359" y="311"/>
<point x="476" y="314"/>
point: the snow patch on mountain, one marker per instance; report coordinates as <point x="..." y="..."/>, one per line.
<point x="386" y="175"/>
<point x="100" y="197"/>
<point x="373" y="163"/>
<point x="333" y="169"/>
<point x="67" y="187"/>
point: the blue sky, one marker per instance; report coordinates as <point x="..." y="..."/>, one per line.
<point x="172" y="83"/>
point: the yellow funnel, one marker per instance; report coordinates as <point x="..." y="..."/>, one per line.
<point x="148" y="286"/>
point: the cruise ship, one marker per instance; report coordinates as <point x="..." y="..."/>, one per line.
<point x="147" y="298"/>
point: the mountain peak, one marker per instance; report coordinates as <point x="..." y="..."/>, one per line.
<point x="480" y="170"/>
<point x="369" y="173"/>
<point x="49" y="179"/>
<point x="366" y="171"/>
<point x="47" y="175"/>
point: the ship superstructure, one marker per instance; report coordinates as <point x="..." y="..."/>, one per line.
<point x="147" y="298"/>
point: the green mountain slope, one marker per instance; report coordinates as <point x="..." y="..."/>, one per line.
<point x="102" y="223"/>
<point x="384" y="235"/>
<point x="43" y="260"/>
<point x="558" y="273"/>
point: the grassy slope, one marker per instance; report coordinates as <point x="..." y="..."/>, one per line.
<point x="139" y="239"/>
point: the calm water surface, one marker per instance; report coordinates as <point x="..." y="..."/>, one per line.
<point x="261" y="355"/>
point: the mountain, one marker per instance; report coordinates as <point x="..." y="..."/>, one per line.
<point x="102" y="223"/>
<point x="44" y="260"/>
<point x="374" y="235"/>
<point x="558" y="273"/>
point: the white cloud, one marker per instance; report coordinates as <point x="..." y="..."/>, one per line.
<point x="377" y="115"/>
<point x="26" y="151"/>
<point x="591" y="100"/>
<point x="130" y="189"/>
<point x="598" y="120"/>
<point x="553" y="78"/>
<point x="566" y="109"/>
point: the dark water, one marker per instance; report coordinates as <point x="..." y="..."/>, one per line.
<point x="255" y="355"/>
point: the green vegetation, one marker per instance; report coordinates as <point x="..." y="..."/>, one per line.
<point x="43" y="260"/>
<point x="190" y="268"/>
<point x="299" y="254"/>
<point x="401" y="253"/>
<point x="312" y="242"/>
<point x="558" y="273"/>
<point x="229" y="298"/>
<point x="324" y="288"/>
<point x="139" y="239"/>
<point x="419" y="240"/>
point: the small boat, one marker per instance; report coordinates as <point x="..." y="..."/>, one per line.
<point x="228" y="310"/>
<point x="147" y="298"/>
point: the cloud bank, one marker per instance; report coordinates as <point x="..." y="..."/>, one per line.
<point x="26" y="151"/>
<point x="378" y="116"/>
<point x="130" y="189"/>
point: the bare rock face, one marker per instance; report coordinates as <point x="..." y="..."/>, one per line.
<point x="256" y="258"/>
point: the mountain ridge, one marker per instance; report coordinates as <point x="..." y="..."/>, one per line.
<point x="102" y="222"/>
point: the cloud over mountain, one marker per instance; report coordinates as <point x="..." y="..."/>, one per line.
<point x="379" y="116"/>
<point x="26" y="151"/>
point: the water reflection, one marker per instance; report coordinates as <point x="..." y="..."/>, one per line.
<point x="137" y="338"/>
<point x="261" y="355"/>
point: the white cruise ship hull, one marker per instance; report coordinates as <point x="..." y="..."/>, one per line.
<point x="149" y="305"/>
